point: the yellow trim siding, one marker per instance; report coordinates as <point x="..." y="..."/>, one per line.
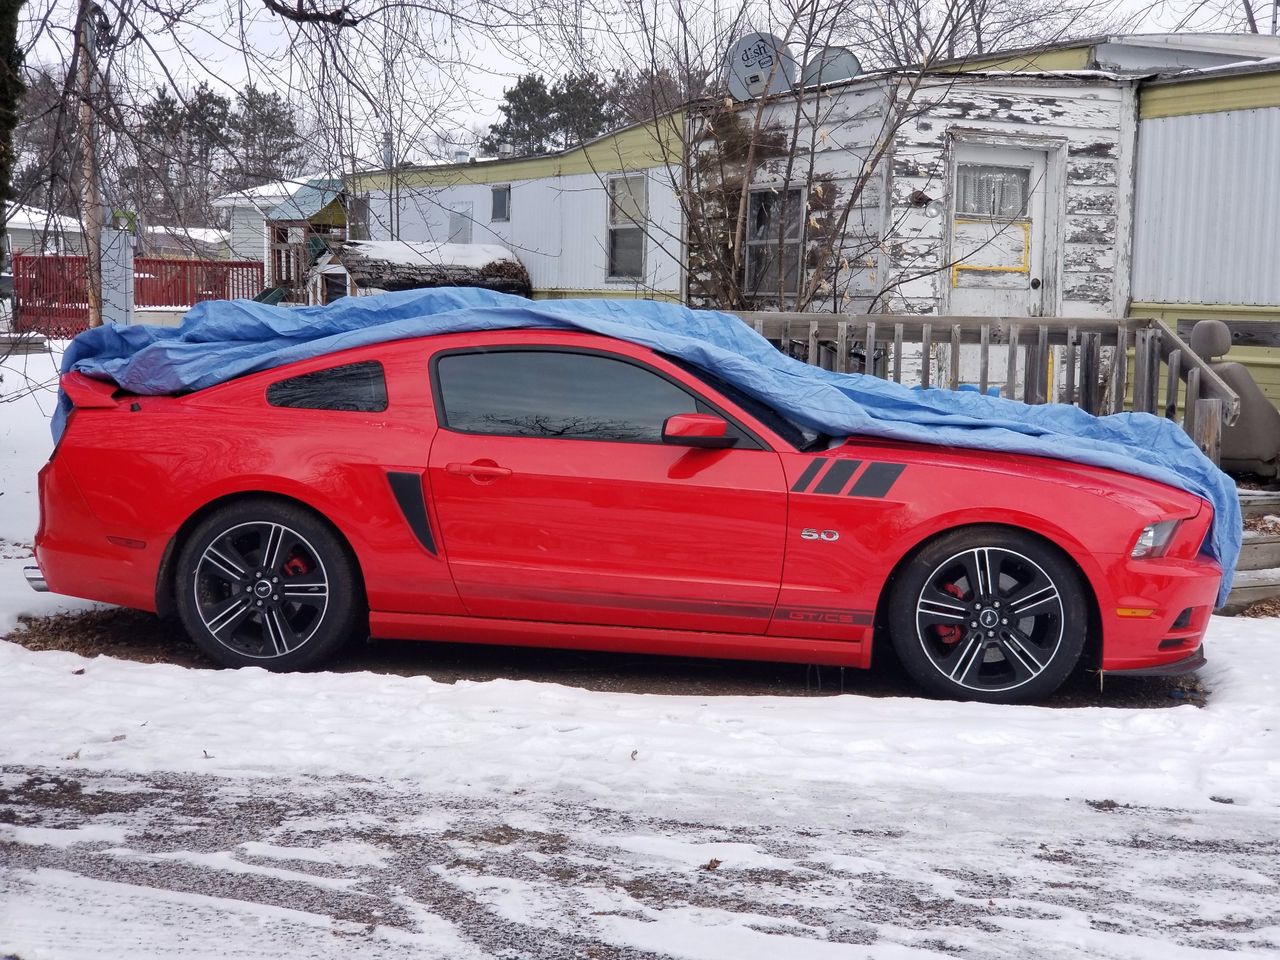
<point x="1262" y="362"/>
<point x="638" y="147"/>
<point x="1210" y="95"/>
<point x="1071" y="58"/>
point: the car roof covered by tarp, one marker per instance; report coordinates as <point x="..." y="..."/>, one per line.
<point x="219" y="340"/>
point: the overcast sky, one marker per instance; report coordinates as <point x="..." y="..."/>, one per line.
<point x="227" y="43"/>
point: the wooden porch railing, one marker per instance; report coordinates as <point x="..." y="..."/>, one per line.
<point x="1101" y="366"/>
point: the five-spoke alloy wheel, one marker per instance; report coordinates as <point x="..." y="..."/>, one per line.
<point x="989" y="613"/>
<point x="266" y="583"/>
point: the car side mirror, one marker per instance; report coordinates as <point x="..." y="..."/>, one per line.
<point x="705" y="430"/>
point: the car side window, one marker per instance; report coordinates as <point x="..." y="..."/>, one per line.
<point x="358" y="387"/>
<point x="562" y="394"/>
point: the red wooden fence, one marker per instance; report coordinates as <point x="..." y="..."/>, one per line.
<point x="52" y="291"/>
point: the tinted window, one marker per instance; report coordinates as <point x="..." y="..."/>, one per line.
<point x="354" y="386"/>
<point x="541" y="393"/>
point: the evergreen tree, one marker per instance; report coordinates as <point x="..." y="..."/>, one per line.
<point x="265" y="138"/>
<point x="582" y="108"/>
<point x="10" y="95"/>
<point x="528" y="119"/>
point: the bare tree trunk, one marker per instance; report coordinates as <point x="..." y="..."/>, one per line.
<point x="1248" y="16"/>
<point x="90" y="189"/>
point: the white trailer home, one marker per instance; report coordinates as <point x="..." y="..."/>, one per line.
<point x="1207" y="212"/>
<point x="1002" y="188"/>
<point x="599" y="220"/>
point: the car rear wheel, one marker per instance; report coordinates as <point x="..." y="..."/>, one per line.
<point x="263" y="583"/>
<point x="989" y="614"/>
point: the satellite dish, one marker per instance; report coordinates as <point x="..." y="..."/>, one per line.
<point x="830" y="65"/>
<point x="758" y="66"/>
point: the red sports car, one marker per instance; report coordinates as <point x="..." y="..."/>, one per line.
<point x="570" y="490"/>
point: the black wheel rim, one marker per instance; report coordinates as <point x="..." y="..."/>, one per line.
<point x="989" y="619"/>
<point x="261" y="590"/>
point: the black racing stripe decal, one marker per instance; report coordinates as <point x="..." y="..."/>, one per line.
<point x="727" y="608"/>
<point x="877" y="480"/>
<point x="857" y="618"/>
<point x="407" y="488"/>
<point x="810" y="472"/>
<point x="833" y="480"/>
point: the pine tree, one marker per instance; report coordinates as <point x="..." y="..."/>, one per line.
<point x="528" y="119"/>
<point x="10" y="96"/>
<point x="265" y="138"/>
<point x="582" y="109"/>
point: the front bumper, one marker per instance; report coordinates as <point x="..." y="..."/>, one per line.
<point x="1188" y="664"/>
<point x="35" y="578"/>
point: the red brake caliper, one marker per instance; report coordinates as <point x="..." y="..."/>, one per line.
<point x="295" y="566"/>
<point x="949" y="634"/>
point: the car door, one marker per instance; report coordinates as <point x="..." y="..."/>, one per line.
<point x="557" y="499"/>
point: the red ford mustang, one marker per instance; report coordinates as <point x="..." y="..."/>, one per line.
<point x="570" y="490"/>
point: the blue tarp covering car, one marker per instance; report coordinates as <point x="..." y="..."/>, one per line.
<point x="219" y="340"/>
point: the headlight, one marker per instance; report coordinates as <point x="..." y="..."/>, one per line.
<point x="1154" y="539"/>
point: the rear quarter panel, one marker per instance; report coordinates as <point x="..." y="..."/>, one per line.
<point x="143" y="473"/>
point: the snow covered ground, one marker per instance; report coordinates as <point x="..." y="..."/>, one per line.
<point x="160" y="812"/>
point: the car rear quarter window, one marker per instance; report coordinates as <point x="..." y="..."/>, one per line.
<point x="359" y="387"/>
<point x="547" y="393"/>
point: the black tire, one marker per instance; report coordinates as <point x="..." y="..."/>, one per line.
<point x="268" y="584"/>
<point x="989" y="614"/>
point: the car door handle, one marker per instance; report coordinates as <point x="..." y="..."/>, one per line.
<point x="486" y="470"/>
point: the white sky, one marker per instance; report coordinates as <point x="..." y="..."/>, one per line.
<point x="227" y="43"/>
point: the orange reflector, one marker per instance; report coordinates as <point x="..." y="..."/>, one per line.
<point x="126" y="542"/>
<point x="1134" y="612"/>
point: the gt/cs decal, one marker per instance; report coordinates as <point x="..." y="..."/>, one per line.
<point x="857" y="618"/>
<point x="875" y="481"/>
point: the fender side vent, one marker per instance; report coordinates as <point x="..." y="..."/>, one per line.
<point x="407" y="488"/>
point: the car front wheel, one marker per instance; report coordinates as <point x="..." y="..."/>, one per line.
<point x="263" y="583"/>
<point x="989" y="614"/>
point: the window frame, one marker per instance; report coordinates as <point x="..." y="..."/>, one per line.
<point x="772" y="242"/>
<point x="611" y="227"/>
<point x="382" y="374"/>
<point x="751" y="438"/>
<point x="493" y="193"/>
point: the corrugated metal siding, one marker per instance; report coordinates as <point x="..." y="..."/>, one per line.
<point x="1207" y="217"/>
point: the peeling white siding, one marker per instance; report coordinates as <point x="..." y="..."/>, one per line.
<point x="1208" y="209"/>
<point x="898" y="254"/>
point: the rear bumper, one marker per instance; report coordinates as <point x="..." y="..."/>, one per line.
<point x="35" y="579"/>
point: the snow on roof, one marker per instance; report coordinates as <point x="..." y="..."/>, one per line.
<point x="421" y="253"/>
<point x="1265" y="65"/>
<point x="265" y="196"/>
<point x="199" y="234"/>
<point x="308" y="200"/>
<point x="21" y="217"/>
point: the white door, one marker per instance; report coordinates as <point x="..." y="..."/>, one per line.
<point x="997" y="232"/>
<point x="460" y="223"/>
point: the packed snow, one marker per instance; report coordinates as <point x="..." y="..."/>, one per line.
<point x="162" y="812"/>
